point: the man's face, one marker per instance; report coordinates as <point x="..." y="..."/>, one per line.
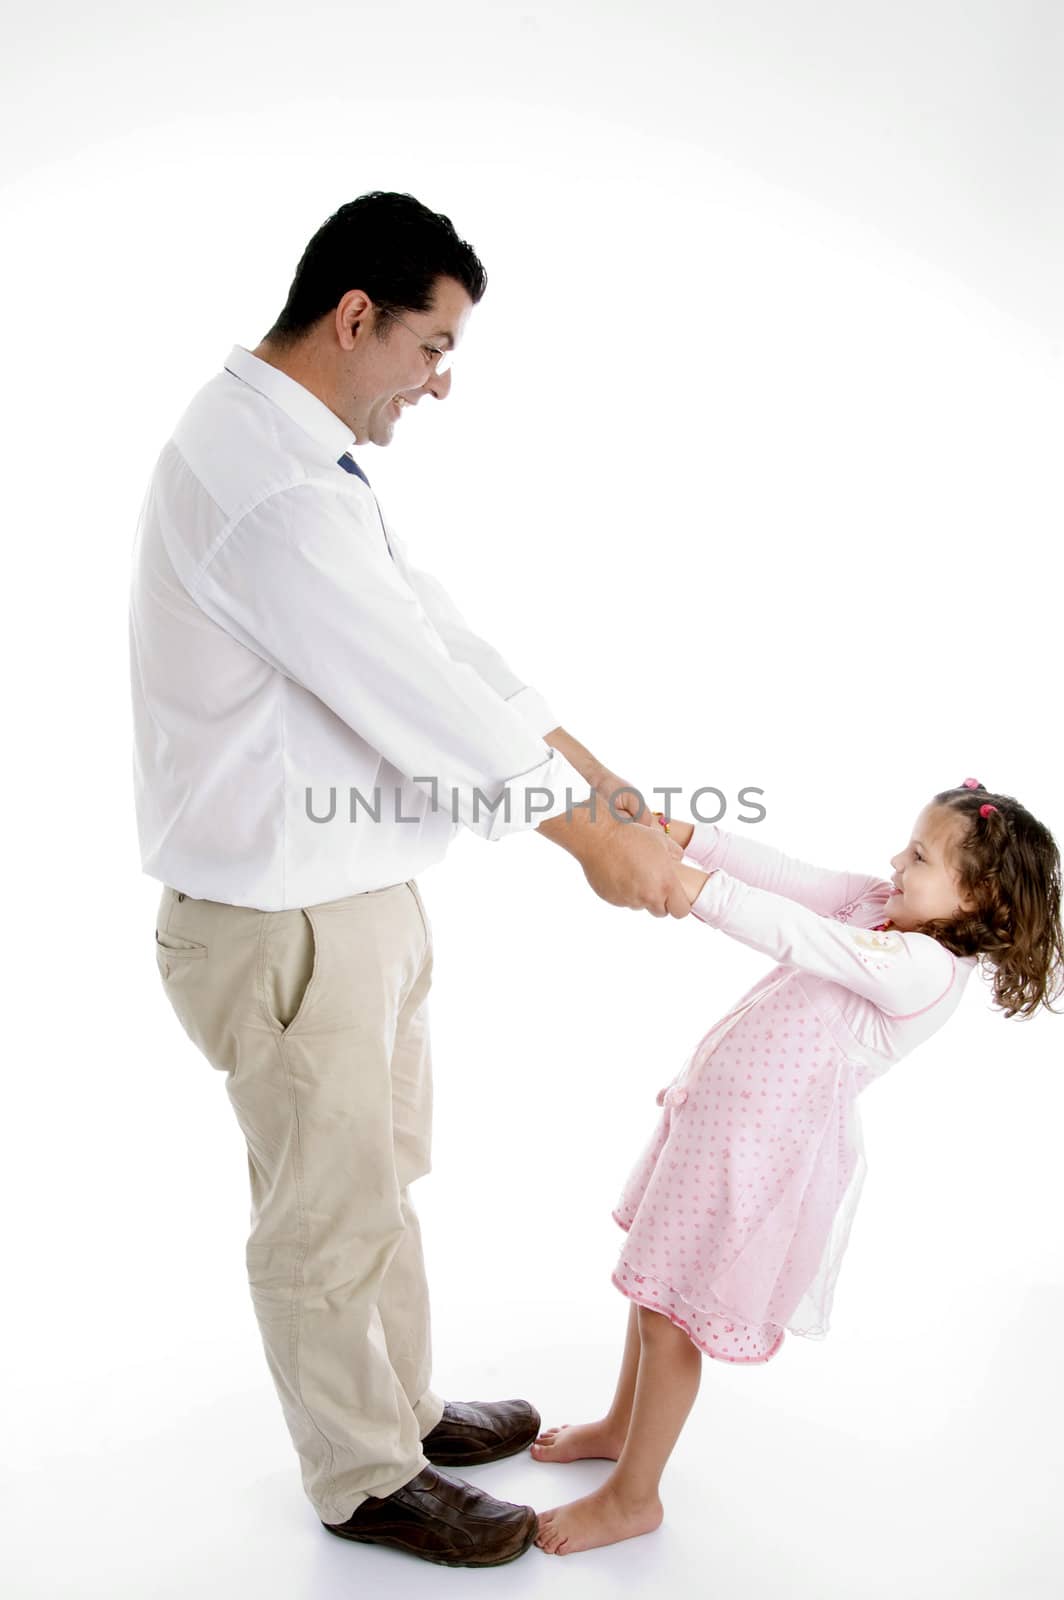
<point x="398" y="370"/>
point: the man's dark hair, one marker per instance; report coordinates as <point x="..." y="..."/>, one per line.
<point x="391" y="246"/>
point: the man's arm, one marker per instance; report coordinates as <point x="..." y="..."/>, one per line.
<point x="311" y="589"/>
<point x="622" y="797"/>
<point x="577" y="755"/>
<point x="624" y="871"/>
<point x="464" y="644"/>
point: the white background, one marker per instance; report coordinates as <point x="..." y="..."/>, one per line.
<point x="751" y="467"/>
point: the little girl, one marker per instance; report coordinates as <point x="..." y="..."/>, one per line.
<point x="738" y="1213"/>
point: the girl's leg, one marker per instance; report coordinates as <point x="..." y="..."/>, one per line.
<point x="603" y="1439"/>
<point x="670" y="1368"/>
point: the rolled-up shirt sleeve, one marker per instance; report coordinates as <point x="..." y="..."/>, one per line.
<point x="901" y="973"/>
<point x="305" y="580"/>
<point x="764" y="867"/>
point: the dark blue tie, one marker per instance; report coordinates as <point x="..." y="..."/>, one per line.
<point x="349" y="464"/>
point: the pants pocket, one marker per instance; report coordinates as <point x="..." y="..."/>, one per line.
<point x="172" y="944"/>
<point x="422" y="913"/>
<point x="177" y="958"/>
<point x="184" y="971"/>
<point x="289" y="963"/>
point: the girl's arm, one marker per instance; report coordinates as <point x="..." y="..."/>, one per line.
<point x="902" y="974"/>
<point x="764" y="867"/>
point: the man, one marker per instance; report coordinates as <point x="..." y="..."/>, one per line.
<point x="313" y="723"/>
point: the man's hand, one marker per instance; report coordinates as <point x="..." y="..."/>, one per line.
<point x="635" y="867"/>
<point x="631" y="862"/>
<point x="624" y="798"/>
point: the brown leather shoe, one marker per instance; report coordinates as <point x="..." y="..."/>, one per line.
<point x="442" y="1519"/>
<point x="471" y="1433"/>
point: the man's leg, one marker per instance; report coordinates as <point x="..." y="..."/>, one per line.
<point x="315" y="1098"/>
<point x="404" y="1299"/>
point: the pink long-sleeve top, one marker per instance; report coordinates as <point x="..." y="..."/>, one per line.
<point x="881" y="993"/>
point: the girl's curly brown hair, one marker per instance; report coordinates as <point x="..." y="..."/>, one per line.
<point x="1009" y="865"/>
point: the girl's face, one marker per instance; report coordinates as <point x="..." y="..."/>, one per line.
<point x="925" y="880"/>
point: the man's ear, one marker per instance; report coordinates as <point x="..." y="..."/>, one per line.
<point x="350" y="316"/>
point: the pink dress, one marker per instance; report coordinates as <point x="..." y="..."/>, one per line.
<point x="738" y="1213"/>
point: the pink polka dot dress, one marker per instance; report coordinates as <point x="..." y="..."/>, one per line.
<point x="739" y="1210"/>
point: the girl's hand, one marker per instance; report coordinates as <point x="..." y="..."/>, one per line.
<point x="681" y="832"/>
<point x="694" y="881"/>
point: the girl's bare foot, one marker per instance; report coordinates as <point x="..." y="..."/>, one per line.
<point x="588" y="1441"/>
<point x="597" y="1519"/>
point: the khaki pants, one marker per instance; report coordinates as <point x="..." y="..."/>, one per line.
<point x="319" y="1019"/>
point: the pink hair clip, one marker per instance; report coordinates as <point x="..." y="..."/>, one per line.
<point x="984" y="811"/>
<point x="972" y="783"/>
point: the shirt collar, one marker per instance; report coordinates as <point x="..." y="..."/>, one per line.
<point x="304" y="408"/>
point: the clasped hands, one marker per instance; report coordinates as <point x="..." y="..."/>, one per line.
<point x="628" y="858"/>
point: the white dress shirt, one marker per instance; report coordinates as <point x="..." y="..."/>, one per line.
<point x="281" y="642"/>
